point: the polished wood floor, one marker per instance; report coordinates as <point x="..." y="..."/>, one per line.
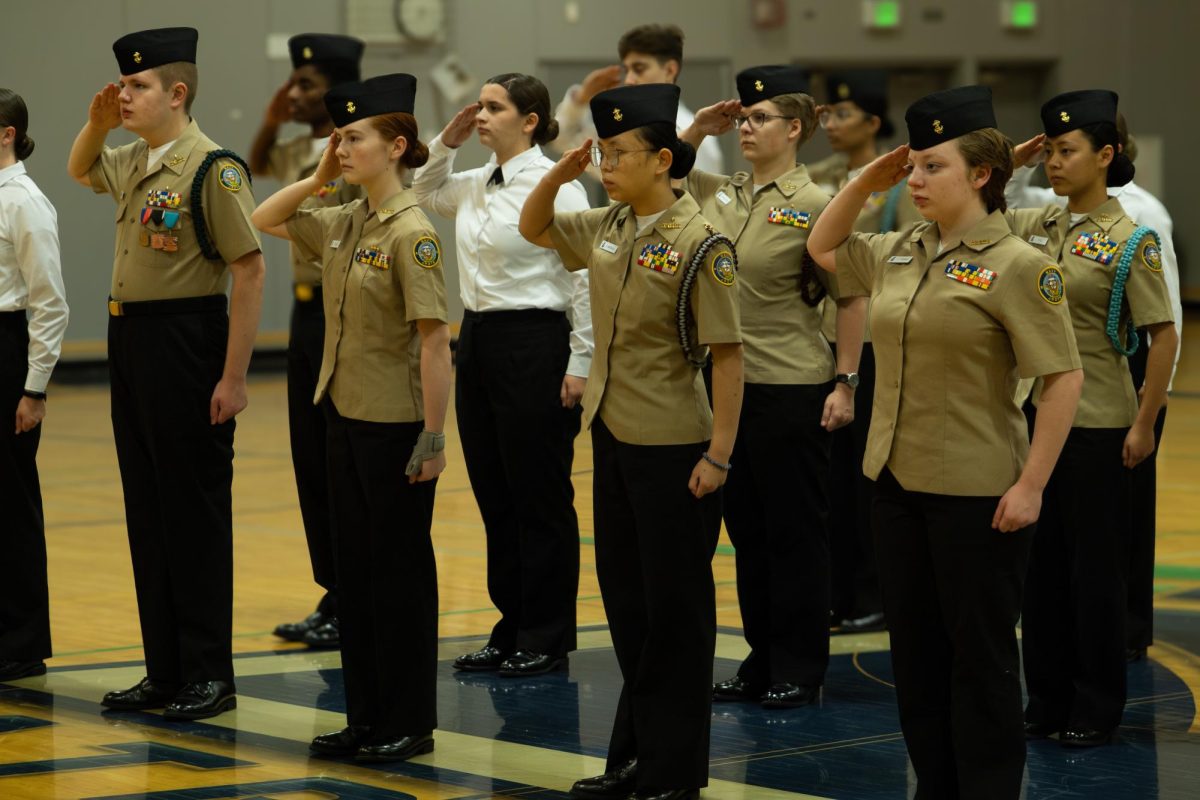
<point x="97" y="645"/>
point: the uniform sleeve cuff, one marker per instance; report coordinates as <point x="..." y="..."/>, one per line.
<point x="36" y="380"/>
<point x="579" y="365"/>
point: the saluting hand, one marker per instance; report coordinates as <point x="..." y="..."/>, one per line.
<point x="886" y="171"/>
<point x="279" y="109"/>
<point x="105" y="111"/>
<point x="331" y="166"/>
<point x="459" y="129"/>
<point x="30" y="413"/>
<point x="597" y="81"/>
<point x="571" y="165"/>
<point x="718" y="118"/>
<point x="1030" y="153"/>
<point x="1018" y="508"/>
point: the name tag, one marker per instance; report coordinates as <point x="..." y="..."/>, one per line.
<point x="608" y="246"/>
<point x="899" y="259"/>
<point x="724" y="198"/>
<point x="335" y="244"/>
<point x="1039" y="240"/>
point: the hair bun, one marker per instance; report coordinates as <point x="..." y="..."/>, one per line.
<point x="24" y="148"/>
<point x="551" y="132"/>
<point x="416" y="155"/>
<point x="683" y="159"/>
<point x="1120" y="171"/>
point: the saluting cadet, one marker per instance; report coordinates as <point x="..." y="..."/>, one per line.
<point x="177" y="361"/>
<point x="855" y="119"/>
<point x="384" y="385"/>
<point x="30" y="282"/>
<point x="1073" y="625"/>
<point x="663" y="286"/>
<point x="960" y="309"/>
<point x="319" y="62"/>
<point x="776" y="504"/>
<point x="522" y="363"/>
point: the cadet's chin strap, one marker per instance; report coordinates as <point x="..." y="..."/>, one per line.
<point x="1117" y="298"/>
<point x="696" y="356"/>
<point x="197" y="198"/>
<point x="428" y="445"/>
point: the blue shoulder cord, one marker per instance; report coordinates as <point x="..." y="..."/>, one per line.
<point x="1117" y="298"/>
<point x="683" y="306"/>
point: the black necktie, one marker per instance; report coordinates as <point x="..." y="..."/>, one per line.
<point x="497" y="178"/>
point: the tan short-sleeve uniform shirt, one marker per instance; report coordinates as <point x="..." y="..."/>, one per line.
<point x="157" y="256"/>
<point x="640" y="383"/>
<point x="294" y="160"/>
<point x="1088" y="253"/>
<point x="381" y="272"/>
<point x="953" y="332"/>
<point x="781" y="331"/>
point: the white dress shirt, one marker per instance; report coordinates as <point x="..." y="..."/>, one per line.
<point x="1141" y="206"/>
<point x="31" y="270"/>
<point x="575" y="125"/>
<point x="498" y="270"/>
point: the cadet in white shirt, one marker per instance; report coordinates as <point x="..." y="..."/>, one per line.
<point x="30" y="281"/>
<point x="523" y="356"/>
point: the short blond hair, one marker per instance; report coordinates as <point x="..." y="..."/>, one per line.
<point x="802" y="107"/>
<point x="184" y="72"/>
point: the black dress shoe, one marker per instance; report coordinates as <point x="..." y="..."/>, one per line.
<point x="736" y="689"/>
<point x="326" y="636"/>
<point x="1133" y="654"/>
<point x="11" y="670"/>
<point x="488" y="659"/>
<point x="665" y="794"/>
<point x="146" y="694"/>
<point x="294" y="631"/>
<point x="867" y="624"/>
<point x="1086" y="737"/>
<point x="523" y="663"/>
<point x="339" y="743"/>
<point x="1041" y="730"/>
<point x="617" y="783"/>
<point x="790" y="695"/>
<point x="202" y="700"/>
<point x="401" y="749"/>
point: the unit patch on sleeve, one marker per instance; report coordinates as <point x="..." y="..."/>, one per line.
<point x="1050" y="285"/>
<point x="1151" y="255"/>
<point x="723" y="268"/>
<point x="427" y="253"/>
<point x="231" y="178"/>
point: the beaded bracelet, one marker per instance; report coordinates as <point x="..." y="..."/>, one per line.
<point x="715" y="463"/>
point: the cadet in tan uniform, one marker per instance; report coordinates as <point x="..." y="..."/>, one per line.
<point x="663" y="286"/>
<point x="319" y="62"/>
<point x="177" y="362"/>
<point x="1073" y="625"/>
<point x="855" y="119"/>
<point x="960" y="310"/>
<point x="384" y="386"/>
<point x="777" y="501"/>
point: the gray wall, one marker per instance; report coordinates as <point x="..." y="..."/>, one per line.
<point x="57" y="54"/>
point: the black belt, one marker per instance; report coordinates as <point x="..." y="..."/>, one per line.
<point x="13" y="318"/>
<point x="182" y="305"/>
<point x="514" y="315"/>
<point x="307" y="292"/>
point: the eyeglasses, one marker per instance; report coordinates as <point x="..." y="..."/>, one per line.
<point x="757" y="119"/>
<point x="841" y="116"/>
<point x="613" y="157"/>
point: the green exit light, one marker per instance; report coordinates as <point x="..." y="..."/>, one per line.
<point x="885" y="14"/>
<point x="1022" y="14"/>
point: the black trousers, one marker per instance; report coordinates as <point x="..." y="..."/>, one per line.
<point x="1073" y="626"/>
<point x="24" y="596"/>
<point x="1143" y="508"/>
<point x="654" y="547"/>
<point x="952" y="594"/>
<point x="777" y="514"/>
<point x="176" y="473"/>
<point x="306" y="427"/>
<point x="387" y="577"/>
<point x="519" y="443"/>
<point x="852" y="545"/>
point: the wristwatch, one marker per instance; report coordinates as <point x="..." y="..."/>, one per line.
<point x="848" y="378"/>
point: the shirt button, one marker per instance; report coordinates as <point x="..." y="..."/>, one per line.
<point x="124" y="252"/>
<point x="120" y="284"/>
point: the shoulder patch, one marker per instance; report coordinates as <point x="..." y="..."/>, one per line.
<point x="723" y="267"/>
<point x="427" y="253"/>
<point x="231" y="178"/>
<point x="1050" y="285"/>
<point x="1151" y="255"/>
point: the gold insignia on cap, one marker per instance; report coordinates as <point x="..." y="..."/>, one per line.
<point x="843" y="91"/>
<point x="617" y="115"/>
<point x="1064" y="116"/>
<point x="758" y="85"/>
<point x="350" y="107"/>
<point x="137" y="57"/>
<point x="937" y="126"/>
<point x="306" y="52"/>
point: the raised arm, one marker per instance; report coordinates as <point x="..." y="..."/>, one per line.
<point x="538" y="211"/>
<point x="434" y="184"/>
<point x="272" y="214"/>
<point x="837" y="220"/>
<point x="276" y="115"/>
<point x="104" y="114"/>
<point x="711" y="120"/>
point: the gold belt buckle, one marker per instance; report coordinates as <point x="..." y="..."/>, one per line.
<point x="114" y="308"/>
<point x="304" y="292"/>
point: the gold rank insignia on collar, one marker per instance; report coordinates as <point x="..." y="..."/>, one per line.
<point x="672" y="225"/>
<point x="758" y="85"/>
<point x="979" y="242"/>
<point x="937" y="126"/>
<point x="350" y="107"/>
<point x="787" y="186"/>
<point x="1104" y="219"/>
<point x="617" y="115"/>
<point x="137" y="57"/>
<point x="175" y="160"/>
<point x="387" y="211"/>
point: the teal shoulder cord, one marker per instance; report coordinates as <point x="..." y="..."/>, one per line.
<point x="683" y="306"/>
<point x="891" y="209"/>
<point x="1117" y="298"/>
<point x="197" y="199"/>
